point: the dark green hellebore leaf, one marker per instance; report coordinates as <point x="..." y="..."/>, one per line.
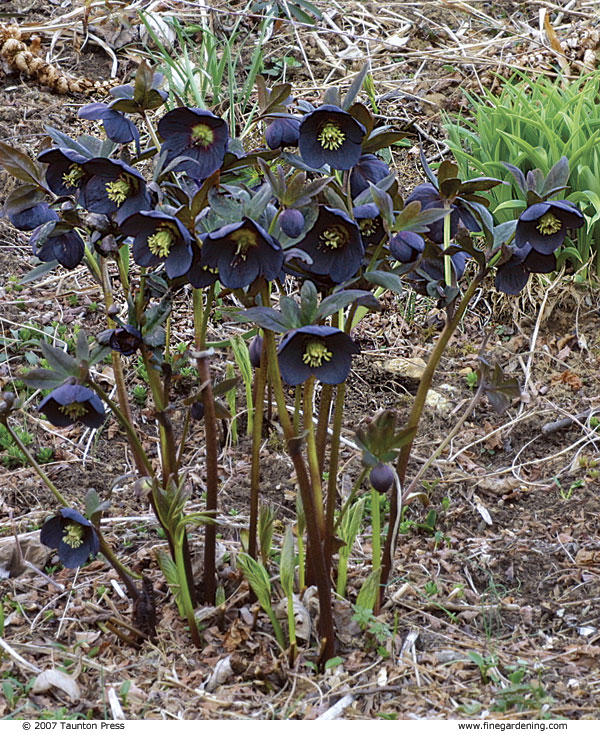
<point x="464" y="239"/>
<point x="93" y="506"/>
<point x="82" y="349"/>
<point x="259" y="201"/>
<point x="43" y="379"/>
<point x="557" y="177"/>
<point x="535" y="181"/>
<point x="20" y="165"/>
<point x="378" y="140"/>
<point x="308" y="303"/>
<point x="266" y="318"/>
<point x="21" y="198"/>
<point x="157" y="314"/>
<point x="354" y="88"/>
<point x="332" y="96"/>
<point x="412" y="219"/>
<point x="340" y="300"/>
<point x="61" y="362"/>
<point x="38" y="272"/>
<point x="428" y="172"/>
<point x="499" y="389"/>
<point x="446" y="171"/>
<point x="364" y="116"/>
<point x="449" y="188"/>
<point x="504" y="232"/>
<point x="385" y="205"/>
<point x="479" y="184"/>
<point x="97" y="354"/>
<point x="519" y="177"/>
<point x="389" y="281"/>
<point x="335" y="201"/>
<point x="290" y="311"/>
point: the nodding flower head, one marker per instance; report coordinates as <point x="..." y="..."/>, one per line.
<point x="70" y="404"/>
<point x="113" y="188"/>
<point x="544" y="225"/>
<point x="159" y="238"/>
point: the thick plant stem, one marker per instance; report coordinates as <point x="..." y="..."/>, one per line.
<point x="259" y="406"/>
<point x="212" y="476"/>
<point x="320" y="568"/>
<point x="376" y="527"/>
<point x="187" y="599"/>
<point x="311" y="450"/>
<point x="413" y="422"/>
<point x="322" y="422"/>
<point x="334" y="458"/>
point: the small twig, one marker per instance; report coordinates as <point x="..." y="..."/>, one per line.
<point x="566" y="422"/>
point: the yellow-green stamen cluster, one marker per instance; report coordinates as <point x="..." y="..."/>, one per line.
<point x="74" y="410"/>
<point x="334" y="237"/>
<point x="368" y="227"/>
<point x="315" y="353"/>
<point x="331" y="136"/>
<point x="118" y="190"/>
<point x="548" y="224"/>
<point x="244" y="241"/>
<point x="73" y="536"/>
<point x="72" y="177"/>
<point x="161" y="241"/>
<point x="203" y="135"/>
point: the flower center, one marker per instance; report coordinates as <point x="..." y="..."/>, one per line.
<point x="548" y="224"/>
<point x="331" y="136"/>
<point x="334" y="237"/>
<point x="73" y="536"/>
<point x="315" y="353"/>
<point x="161" y="241"/>
<point x="244" y="241"/>
<point x="74" y="410"/>
<point x="368" y="227"/>
<point x="118" y="190"/>
<point x="203" y="135"/>
<point x="72" y="177"/>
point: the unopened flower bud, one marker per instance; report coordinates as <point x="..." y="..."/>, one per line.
<point x="291" y="222"/>
<point x="197" y="411"/>
<point x="255" y="350"/>
<point x="382" y="478"/>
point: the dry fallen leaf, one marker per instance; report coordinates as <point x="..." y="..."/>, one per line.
<point x="57" y="679"/>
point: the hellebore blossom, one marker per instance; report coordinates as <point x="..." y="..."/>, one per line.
<point x="125" y="339"/>
<point x="72" y="535"/>
<point x="68" y="404"/>
<point x="328" y="135"/>
<point x="255" y="350"/>
<point x="545" y="225"/>
<point x="322" y="351"/>
<point x="369" y="169"/>
<point x="406" y="246"/>
<point x="113" y="187"/>
<point x="282" y="132"/>
<point x="430" y="198"/>
<point x="64" y="175"/>
<point x="334" y="244"/>
<point x="32" y="217"/>
<point x="159" y="238"/>
<point x="241" y="252"/>
<point x="512" y="276"/>
<point x="370" y="224"/>
<point x="195" y="134"/>
<point x="65" y="246"/>
<point x="116" y="126"/>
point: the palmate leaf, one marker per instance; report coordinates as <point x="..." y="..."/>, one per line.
<point x="41" y="379"/>
<point x="340" y="300"/>
<point x="62" y="363"/>
<point x="266" y="318"/>
<point x="355" y="87"/>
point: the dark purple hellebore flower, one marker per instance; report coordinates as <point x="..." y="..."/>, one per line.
<point x="328" y="135"/>
<point x="125" y="339"/>
<point x="370" y="224"/>
<point x="291" y="222"/>
<point x="406" y="246"/>
<point x="64" y="175"/>
<point x="66" y="247"/>
<point x="32" y="217"/>
<point x="382" y="478"/>
<point x="282" y="132"/>
<point x="159" y="238"/>
<point x="430" y="198"/>
<point x="72" y="535"/>
<point x="200" y="275"/>
<point x="512" y="276"/>
<point x="433" y="267"/>
<point x="196" y="134"/>
<point x="116" y="126"/>
<point x="545" y="225"/>
<point x="334" y="244"/>
<point x="241" y="252"/>
<point x="115" y="188"/>
<point x="369" y="169"/>
<point x="68" y="404"/>
<point x="322" y="351"/>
